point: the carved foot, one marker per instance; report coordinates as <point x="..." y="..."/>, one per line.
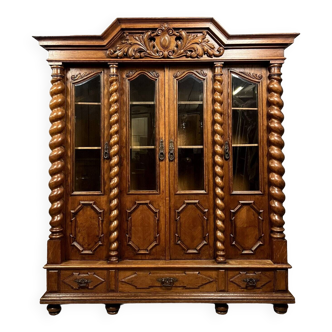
<point x="221" y="308"/>
<point x="54" y="309"/>
<point x="112" y="309"/>
<point x="280" y="308"/>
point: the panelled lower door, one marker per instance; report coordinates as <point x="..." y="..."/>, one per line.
<point x="166" y="163"/>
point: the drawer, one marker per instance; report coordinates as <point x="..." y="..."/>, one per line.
<point x="173" y="281"/>
<point x="98" y="281"/>
<point x="250" y="281"/>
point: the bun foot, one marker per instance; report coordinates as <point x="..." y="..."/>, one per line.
<point x="280" y="308"/>
<point x="54" y="309"/>
<point x="112" y="309"/>
<point x="221" y="308"/>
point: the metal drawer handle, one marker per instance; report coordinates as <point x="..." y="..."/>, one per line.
<point x="226" y="154"/>
<point x="106" y="151"/>
<point x="167" y="282"/>
<point x="251" y="282"/>
<point x="82" y="282"/>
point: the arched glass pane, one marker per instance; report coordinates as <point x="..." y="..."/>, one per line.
<point x="245" y="140"/>
<point x="142" y="134"/>
<point x="190" y="134"/>
<point x="88" y="135"/>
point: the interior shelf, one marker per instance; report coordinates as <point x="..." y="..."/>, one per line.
<point x="191" y="147"/>
<point x="244" y="145"/>
<point x="87" y="148"/>
<point x="143" y="147"/>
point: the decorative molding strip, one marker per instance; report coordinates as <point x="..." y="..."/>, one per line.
<point x="254" y="76"/>
<point x="80" y="76"/>
<point x="200" y="73"/>
<point x="165" y="42"/>
<point x="153" y="74"/>
<point x="219" y="162"/>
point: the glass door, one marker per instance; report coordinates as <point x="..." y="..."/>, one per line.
<point x="190" y="163"/>
<point x="143" y="164"/>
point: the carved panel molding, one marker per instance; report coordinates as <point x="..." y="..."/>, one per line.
<point x="83" y="280"/>
<point x="165" y="42"/>
<point x="90" y="235"/>
<point x="254" y="76"/>
<point x="202" y="218"/>
<point x="82" y="76"/>
<point x="199" y="73"/>
<point x="130" y="235"/>
<point x="151" y="74"/>
<point x="250" y="280"/>
<point x="247" y="229"/>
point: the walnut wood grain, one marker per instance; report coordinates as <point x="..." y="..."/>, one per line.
<point x="219" y="162"/>
<point x="114" y="164"/>
<point x="56" y="184"/>
<point x="276" y="156"/>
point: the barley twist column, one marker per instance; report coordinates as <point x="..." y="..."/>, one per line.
<point x="57" y="119"/>
<point x="114" y="164"/>
<point x="276" y="156"/>
<point x="219" y="162"/>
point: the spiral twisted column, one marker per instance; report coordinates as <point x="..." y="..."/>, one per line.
<point x="276" y="156"/>
<point x="219" y="162"/>
<point x="57" y="119"/>
<point x="114" y="164"/>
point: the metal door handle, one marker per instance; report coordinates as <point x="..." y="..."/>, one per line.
<point x="106" y="151"/>
<point x="226" y="153"/>
<point x="161" y="150"/>
<point x="171" y="155"/>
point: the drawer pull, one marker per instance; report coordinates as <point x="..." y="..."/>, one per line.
<point x="167" y="282"/>
<point x="82" y="282"/>
<point x="251" y="282"/>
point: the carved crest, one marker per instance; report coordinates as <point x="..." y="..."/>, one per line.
<point x="165" y="42"/>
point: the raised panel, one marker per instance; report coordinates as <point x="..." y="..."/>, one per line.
<point x="87" y="227"/>
<point x="155" y="281"/>
<point x="254" y="281"/>
<point x="191" y="227"/>
<point x="247" y="227"/>
<point x="83" y="281"/>
<point x="142" y="221"/>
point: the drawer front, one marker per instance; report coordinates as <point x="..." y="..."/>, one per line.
<point x="173" y="281"/>
<point x="251" y="281"/>
<point x="87" y="281"/>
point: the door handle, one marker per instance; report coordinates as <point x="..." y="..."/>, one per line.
<point x="106" y="151"/>
<point x="226" y="153"/>
<point x="171" y="155"/>
<point x="161" y="150"/>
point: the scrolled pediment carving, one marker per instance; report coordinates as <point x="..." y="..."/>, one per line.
<point x="165" y="43"/>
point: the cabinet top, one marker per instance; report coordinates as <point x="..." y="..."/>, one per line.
<point x="166" y="39"/>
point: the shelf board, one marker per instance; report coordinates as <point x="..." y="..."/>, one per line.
<point x="87" y="103"/>
<point x="88" y="148"/>
<point x="190" y="102"/>
<point x="239" y="145"/>
<point x="143" y="147"/>
<point x="142" y="103"/>
<point x="245" y="108"/>
<point x="191" y="147"/>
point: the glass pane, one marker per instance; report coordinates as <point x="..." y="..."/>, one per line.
<point x="87" y="170"/>
<point x="245" y="127"/>
<point x="88" y="136"/>
<point x="190" y="134"/>
<point x="190" y="88"/>
<point x="142" y="89"/>
<point x="87" y="125"/>
<point x="191" y="169"/>
<point x="142" y="134"/>
<point x="88" y="91"/>
<point x="190" y="125"/>
<point x="244" y="93"/>
<point x="142" y="169"/>
<point x="245" y="168"/>
<point x="245" y="141"/>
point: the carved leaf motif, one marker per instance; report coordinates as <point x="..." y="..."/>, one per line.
<point x="165" y="43"/>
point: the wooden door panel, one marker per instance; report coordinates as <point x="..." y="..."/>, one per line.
<point x="87" y="211"/>
<point x="246" y="199"/>
<point x="142" y="178"/>
<point x="190" y="186"/>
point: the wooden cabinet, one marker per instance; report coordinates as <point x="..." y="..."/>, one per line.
<point x="166" y="166"/>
